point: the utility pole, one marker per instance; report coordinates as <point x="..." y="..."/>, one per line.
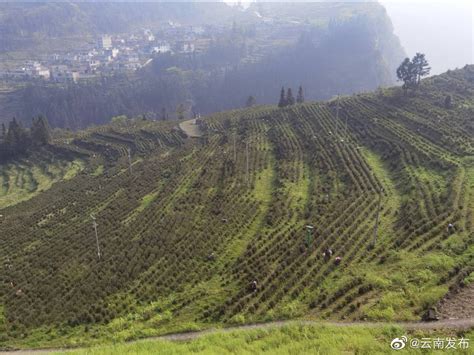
<point x="345" y="130"/>
<point x="235" y="151"/>
<point x="129" y="160"/>
<point x="337" y="118"/>
<point x="309" y="235"/>
<point x="376" y="226"/>
<point x="247" y="162"/>
<point x="94" y="224"/>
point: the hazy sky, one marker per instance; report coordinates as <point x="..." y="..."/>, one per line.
<point x="443" y="30"/>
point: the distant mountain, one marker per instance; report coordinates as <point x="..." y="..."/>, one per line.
<point x="26" y="24"/>
<point x="328" y="48"/>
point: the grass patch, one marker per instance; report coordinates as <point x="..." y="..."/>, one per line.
<point x="22" y="181"/>
<point x="289" y="339"/>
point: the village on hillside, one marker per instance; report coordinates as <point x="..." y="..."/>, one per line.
<point x="111" y="54"/>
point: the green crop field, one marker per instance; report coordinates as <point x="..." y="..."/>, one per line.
<point x="185" y="230"/>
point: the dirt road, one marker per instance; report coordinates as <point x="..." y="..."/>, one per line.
<point x="190" y="128"/>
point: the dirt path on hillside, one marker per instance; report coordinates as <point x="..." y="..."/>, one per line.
<point x="457" y="324"/>
<point x="190" y="128"/>
<point x="459" y="304"/>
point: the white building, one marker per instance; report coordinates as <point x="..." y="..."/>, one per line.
<point x="36" y="70"/>
<point x="149" y="36"/>
<point x="105" y="42"/>
<point x="162" y="47"/>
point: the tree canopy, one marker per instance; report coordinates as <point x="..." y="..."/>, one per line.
<point x="17" y="140"/>
<point x="411" y="71"/>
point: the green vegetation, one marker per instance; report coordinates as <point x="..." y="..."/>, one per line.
<point x="411" y="72"/>
<point x="17" y="140"/>
<point x="24" y="179"/>
<point x="291" y="339"/>
<point x="197" y="220"/>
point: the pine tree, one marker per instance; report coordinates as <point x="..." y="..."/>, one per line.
<point x="17" y="139"/>
<point x="406" y="73"/>
<point x="411" y="71"/>
<point x="282" y="102"/>
<point x="290" y="100"/>
<point x="251" y="101"/>
<point x="421" y="66"/>
<point x="163" y="114"/>
<point x="40" y="131"/>
<point x="300" y="96"/>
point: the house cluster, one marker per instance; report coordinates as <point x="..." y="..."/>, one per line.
<point x="113" y="54"/>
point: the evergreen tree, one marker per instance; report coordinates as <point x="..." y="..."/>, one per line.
<point x="251" y="101"/>
<point x="180" y="111"/>
<point x="282" y="102"/>
<point x="4" y="131"/>
<point x="290" y="100"/>
<point x="300" y="96"/>
<point x="421" y="66"/>
<point x="17" y="138"/>
<point x="40" y="131"/>
<point x="164" y="115"/>
<point x="406" y="73"/>
<point x="411" y="71"/>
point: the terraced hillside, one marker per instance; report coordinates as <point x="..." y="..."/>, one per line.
<point x="22" y="180"/>
<point x="185" y="224"/>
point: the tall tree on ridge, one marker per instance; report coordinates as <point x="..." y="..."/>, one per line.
<point x="300" y="96"/>
<point x="282" y="102"/>
<point x="290" y="100"/>
<point x="251" y="101"/>
<point x="421" y="66"/>
<point x="406" y="73"/>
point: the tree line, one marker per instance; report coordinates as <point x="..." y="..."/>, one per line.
<point x="288" y="99"/>
<point x="16" y="139"/>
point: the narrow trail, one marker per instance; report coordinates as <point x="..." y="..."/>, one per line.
<point x="451" y="324"/>
<point x="191" y="128"/>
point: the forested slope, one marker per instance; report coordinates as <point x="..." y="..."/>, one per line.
<point x="328" y="48"/>
<point x="184" y="231"/>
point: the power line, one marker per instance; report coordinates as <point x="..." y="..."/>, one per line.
<point x="337" y="119"/>
<point x="235" y="151"/>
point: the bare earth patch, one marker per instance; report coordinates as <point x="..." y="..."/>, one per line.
<point x="191" y="128"/>
<point x="459" y="304"/>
